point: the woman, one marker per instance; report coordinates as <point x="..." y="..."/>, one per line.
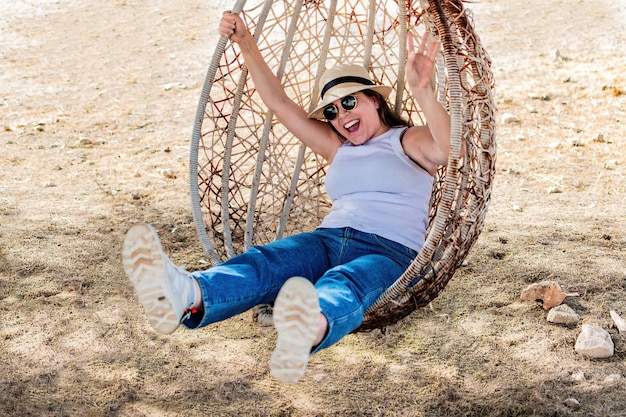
<point x="321" y="282"/>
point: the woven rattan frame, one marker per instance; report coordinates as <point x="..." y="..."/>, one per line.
<point x="251" y="182"/>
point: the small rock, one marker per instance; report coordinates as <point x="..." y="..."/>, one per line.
<point x="555" y="54"/>
<point x="167" y="173"/>
<point x="517" y="208"/>
<point x="172" y="86"/>
<point x="135" y="195"/>
<point x="612" y="379"/>
<point x="554" y="190"/>
<point x="532" y="110"/>
<point x="594" y="342"/>
<point x="620" y="323"/>
<point x="83" y="141"/>
<point x="572" y="403"/>
<point x="563" y="314"/>
<point x="599" y="139"/>
<point x="319" y="377"/>
<point x="578" y="376"/>
<point x="509" y="119"/>
<point x="547" y="291"/>
<point x="575" y="142"/>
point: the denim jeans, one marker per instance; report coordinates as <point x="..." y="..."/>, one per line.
<point x="349" y="269"/>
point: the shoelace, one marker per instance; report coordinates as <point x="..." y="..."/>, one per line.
<point x="188" y="313"/>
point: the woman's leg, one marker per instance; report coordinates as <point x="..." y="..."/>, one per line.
<point x="169" y="294"/>
<point x="256" y="276"/>
<point x="365" y="265"/>
<point x="346" y="291"/>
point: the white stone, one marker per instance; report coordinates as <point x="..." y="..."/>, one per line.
<point x="572" y="403"/>
<point x="613" y="378"/>
<point x="594" y="342"/>
<point x="578" y="376"/>
<point x="509" y="119"/>
<point x="620" y="323"/>
<point x="167" y="173"/>
<point x="575" y="142"/>
<point x="563" y="314"/>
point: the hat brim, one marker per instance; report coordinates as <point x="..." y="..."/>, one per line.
<point x="344" y="90"/>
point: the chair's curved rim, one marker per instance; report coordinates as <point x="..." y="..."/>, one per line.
<point x="400" y="296"/>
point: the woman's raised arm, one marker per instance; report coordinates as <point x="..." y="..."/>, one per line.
<point x="430" y="144"/>
<point x="317" y="135"/>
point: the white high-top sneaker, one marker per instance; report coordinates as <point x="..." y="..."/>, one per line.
<point x="166" y="292"/>
<point x="297" y="320"/>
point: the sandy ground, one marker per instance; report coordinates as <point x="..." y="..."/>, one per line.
<point x="97" y="105"/>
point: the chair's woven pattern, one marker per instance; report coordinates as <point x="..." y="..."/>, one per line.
<point x="252" y="182"/>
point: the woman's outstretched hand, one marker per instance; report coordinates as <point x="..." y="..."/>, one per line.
<point x="420" y="63"/>
<point x="232" y="27"/>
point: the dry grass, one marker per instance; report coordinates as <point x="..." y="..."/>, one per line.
<point x="125" y="76"/>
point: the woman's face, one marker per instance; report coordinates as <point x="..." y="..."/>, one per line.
<point x="361" y="123"/>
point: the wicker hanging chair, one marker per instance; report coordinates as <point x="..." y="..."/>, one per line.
<point x="252" y="182"/>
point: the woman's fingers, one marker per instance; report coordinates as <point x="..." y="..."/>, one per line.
<point x="410" y="46"/>
<point x="228" y="24"/>
<point x="423" y="42"/>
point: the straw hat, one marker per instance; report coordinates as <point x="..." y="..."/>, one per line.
<point x="342" y="80"/>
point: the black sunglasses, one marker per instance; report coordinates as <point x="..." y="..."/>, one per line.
<point x="331" y="111"/>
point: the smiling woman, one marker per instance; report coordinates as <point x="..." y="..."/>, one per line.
<point x="350" y="101"/>
<point x="252" y="181"/>
<point x="321" y="281"/>
<point x="381" y="169"/>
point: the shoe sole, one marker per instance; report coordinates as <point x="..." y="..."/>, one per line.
<point x="296" y="318"/>
<point x="144" y="263"/>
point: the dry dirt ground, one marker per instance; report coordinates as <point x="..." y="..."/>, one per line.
<point x="97" y="105"/>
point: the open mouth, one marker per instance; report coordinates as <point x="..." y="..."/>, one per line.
<point x="352" y="126"/>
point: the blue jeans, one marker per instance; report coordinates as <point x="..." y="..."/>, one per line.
<point x="349" y="269"/>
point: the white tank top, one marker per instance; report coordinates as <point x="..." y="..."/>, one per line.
<point x="376" y="188"/>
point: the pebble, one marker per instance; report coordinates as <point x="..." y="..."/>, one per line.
<point x="620" y="323"/>
<point x="509" y="119"/>
<point x="83" y="141"/>
<point x="549" y="292"/>
<point x="167" y="173"/>
<point x="594" y="342"/>
<point x="572" y="403"/>
<point x="612" y="379"/>
<point x="575" y="142"/>
<point x="563" y="314"/>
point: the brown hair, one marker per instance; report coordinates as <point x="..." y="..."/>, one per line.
<point x="387" y="116"/>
